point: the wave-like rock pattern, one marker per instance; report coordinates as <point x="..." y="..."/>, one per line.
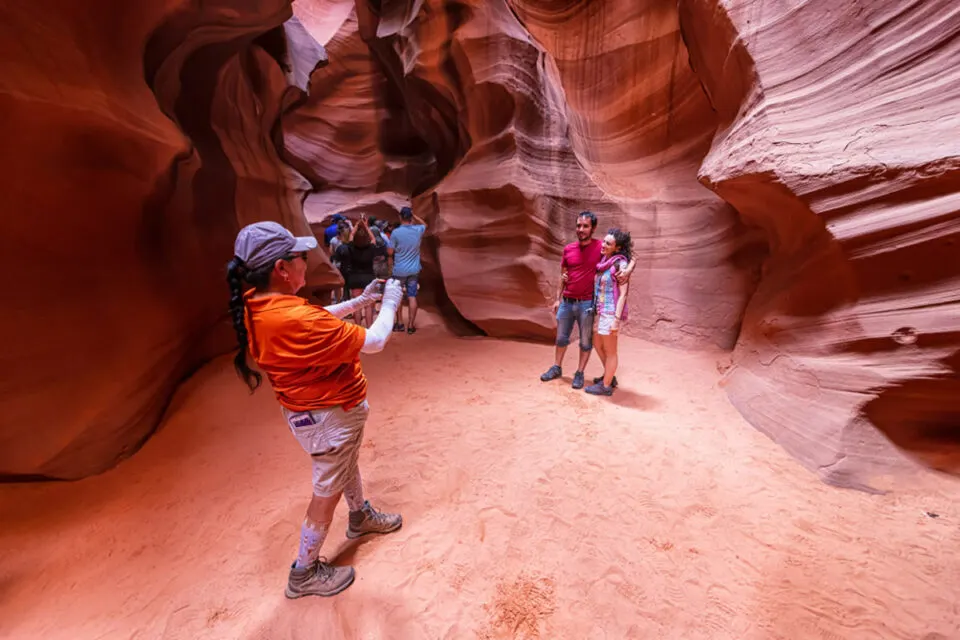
<point x="483" y="98"/>
<point x="527" y="132"/>
<point x="825" y="131"/>
<point x="640" y="125"/>
<point x="352" y="138"/>
<point x="134" y="148"/>
<point x="838" y="138"/>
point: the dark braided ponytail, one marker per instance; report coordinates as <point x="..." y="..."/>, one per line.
<point x="236" y="272"/>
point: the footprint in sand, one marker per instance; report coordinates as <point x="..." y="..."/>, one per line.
<point x="520" y="608"/>
<point x="218" y="614"/>
<point x="459" y="577"/>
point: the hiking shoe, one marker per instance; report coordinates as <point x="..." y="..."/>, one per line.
<point x="552" y="373"/>
<point x="578" y="380"/>
<point x="599" y="390"/>
<point x="318" y="579"/>
<point x="599" y="380"/>
<point x="369" y="520"/>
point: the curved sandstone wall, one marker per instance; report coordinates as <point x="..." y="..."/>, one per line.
<point x="838" y="137"/>
<point x="534" y="110"/>
<point x="789" y="173"/>
<point x="509" y="134"/>
<point x="134" y="148"/>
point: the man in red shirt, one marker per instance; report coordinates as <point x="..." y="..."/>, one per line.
<point x="578" y="270"/>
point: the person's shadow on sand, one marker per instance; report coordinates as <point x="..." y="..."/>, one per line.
<point x="624" y="398"/>
<point x="633" y="400"/>
<point x="347" y="551"/>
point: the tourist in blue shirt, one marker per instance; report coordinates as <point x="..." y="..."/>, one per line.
<point x="331" y="231"/>
<point x="406" y="263"/>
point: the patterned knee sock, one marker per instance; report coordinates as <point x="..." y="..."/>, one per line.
<point x="312" y="536"/>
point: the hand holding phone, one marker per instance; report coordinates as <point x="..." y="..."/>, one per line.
<point x="374" y="290"/>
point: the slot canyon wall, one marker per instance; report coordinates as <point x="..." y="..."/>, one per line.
<point x="137" y="141"/>
<point x="787" y="171"/>
<point x="838" y="137"/>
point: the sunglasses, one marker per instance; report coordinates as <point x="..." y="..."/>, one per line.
<point x="293" y="257"/>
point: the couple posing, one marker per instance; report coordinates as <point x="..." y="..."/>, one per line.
<point x="595" y="278"/>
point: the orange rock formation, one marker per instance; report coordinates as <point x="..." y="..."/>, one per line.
<point x="788" y="174"/>
<point x="134" y="148"/>
<point x="837" y="137"/>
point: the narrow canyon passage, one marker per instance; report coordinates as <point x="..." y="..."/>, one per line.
<point x="531" y="511"/>
<point x="790" y="175"/>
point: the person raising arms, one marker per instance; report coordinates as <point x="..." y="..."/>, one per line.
<point x="312" y="360"/>
<point x="359" y="259"/>
<point x="406" y="241"/>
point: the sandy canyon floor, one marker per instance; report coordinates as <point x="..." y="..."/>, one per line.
<point x="531" y="511"/>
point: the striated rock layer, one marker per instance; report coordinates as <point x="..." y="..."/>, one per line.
<point x="843" y="189"/>
<point x="640" y="124"/>
<point x="789" y="172"/>
<point x="512" y="136"/>
<point x="134" y="148"/>
<point x="838" y="138"/>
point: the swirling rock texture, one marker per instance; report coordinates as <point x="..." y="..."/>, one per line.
<point x="484" y="97"/>
<point x="512" y="136"/>
<point x="838" y="137"/>
<point x="136" y="142"/>
<point x="640" y="125"/>
<point x="533" y="111"/>
<point x="787" y="171"/>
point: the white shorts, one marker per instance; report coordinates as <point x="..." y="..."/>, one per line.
<point x="332" y="437"/>
<point x="607" y="324"/>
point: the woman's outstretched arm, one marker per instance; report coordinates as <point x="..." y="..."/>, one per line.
<point x="365" y="299"/>
<point x="382" y="328"/>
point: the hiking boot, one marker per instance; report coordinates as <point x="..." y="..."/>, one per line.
<point x="552" y="373"/>
<point x="318" y="579"/>
<point x="599" y="390"/>
<point x="599" y="380"/>
<point x="578" y="380"/>
<point x="369" y="520"/>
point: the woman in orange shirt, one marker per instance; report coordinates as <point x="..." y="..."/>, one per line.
<point x="312" y="360"/>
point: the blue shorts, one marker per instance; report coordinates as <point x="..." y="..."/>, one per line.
<point x="410" y="284"/>
<point x="581" y="312"/>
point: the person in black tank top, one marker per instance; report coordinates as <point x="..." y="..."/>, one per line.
<point x="360" y="255"/>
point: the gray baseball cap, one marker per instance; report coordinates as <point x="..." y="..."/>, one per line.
<point x="263" y="243"/>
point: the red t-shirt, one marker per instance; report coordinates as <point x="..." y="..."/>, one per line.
<point x="581" y="265"/>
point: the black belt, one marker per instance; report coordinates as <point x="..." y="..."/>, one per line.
<point x="575" y="300"/>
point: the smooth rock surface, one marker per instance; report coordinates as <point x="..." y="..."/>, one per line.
<point x="509" y="135"/>
<point x="134" y="148"/>
<point x="790" y="173"/>
<point x="838" y="137"/>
